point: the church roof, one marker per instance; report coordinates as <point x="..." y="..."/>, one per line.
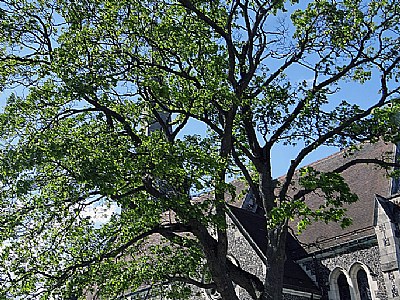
<point x="365" y="180"/>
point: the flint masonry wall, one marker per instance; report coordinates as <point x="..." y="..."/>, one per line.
<point x="347" y="258"/>
<point x="248" y="259"/>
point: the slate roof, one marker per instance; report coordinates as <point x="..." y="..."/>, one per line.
<point x="366" y="180"/>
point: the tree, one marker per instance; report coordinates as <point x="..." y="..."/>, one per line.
<point x="88" y="75"/>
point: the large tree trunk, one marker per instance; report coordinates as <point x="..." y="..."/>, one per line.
<point x="216" y="260"/>
<point x="276" y="235"/>
<point x="276" y="257"/>
<point x="222" y="279"/>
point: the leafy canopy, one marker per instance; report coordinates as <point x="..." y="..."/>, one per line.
<point x="87" y="77"/>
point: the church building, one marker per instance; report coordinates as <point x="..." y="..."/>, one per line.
<point x="360" y="262"/>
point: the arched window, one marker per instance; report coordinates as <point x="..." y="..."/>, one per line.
<point x="344" y="288"/>
<point x="361" y="281"/>
<point x="363" y="285"/>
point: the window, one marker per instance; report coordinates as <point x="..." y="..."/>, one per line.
<point x="340" y="288"/>
<point x="344" y="288"/>
<point x="361" y="282"/>
<point x="363" y="285"/>
<point x="353" y="284"/>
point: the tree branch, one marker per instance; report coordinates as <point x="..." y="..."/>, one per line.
<point x="344" y="167"/>
<point x="232" y="53"/>
<point x="111" y="113"/>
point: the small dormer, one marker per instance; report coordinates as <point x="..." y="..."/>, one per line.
<point x="160" y="122"/>
<point x="249" y="202"/>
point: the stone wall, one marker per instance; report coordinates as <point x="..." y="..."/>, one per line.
<point x="388" y="235"/>
<point x="245" y="256"/>
<point x="320" y="267"/>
